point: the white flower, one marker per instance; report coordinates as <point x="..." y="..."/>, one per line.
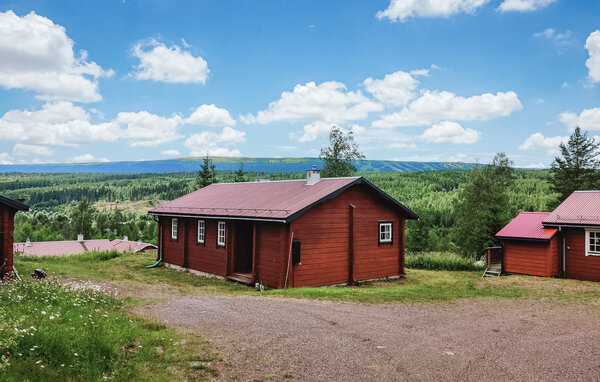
<point x="43" y="312"/>
<point x="51" y="317"/>
<point x="76" y="355"/>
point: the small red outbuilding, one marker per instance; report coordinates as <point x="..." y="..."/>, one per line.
<point x="8" y="209"/>
<point x="293" y="233"/>
<point x="565" y="241"/>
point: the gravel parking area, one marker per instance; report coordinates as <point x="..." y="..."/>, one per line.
<point x="307" y="340"/>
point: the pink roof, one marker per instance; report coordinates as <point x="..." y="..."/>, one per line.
<point x="277" y="200"/>
<point x="580" y="208"/>
<point x="56" y="248"/>
<point x="528" y="225"/>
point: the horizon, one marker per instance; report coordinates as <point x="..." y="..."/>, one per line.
<point x="123" y="81"/>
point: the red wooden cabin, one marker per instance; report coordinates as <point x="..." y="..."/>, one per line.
<point x="8" y="209"/>
<point x="567" y="240"/>
<point x="286" y="233"/>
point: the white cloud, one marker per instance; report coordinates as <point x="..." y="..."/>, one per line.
<point x="402" y="145"/>
<point x="210" y="143"/>
<point x="400" y="10"/>
<point x="435" y="106"/>
<point x="210" y="115"/>
<point x="147" y="129"/>
<point x="537" y="141"/>
<point x="56" y="123"/>
<point x="87" y="158"/>
<point x="170" y="152"/>
<point x="588" y="119"/>
<point x="5" y="159"/>
<point x="538" y="165"/>
<point x="38" y="55"/>
<point x="563" y="39"/>
<point x="592" y="44"/>
<point x="524" y="5"/>
<point x="448" y="131"/>
<point x="169" y="64"/>
<point x="27" y="150"/>
<point x="395" y="89"/>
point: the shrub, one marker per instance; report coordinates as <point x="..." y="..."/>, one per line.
<point x="441" y="261"/>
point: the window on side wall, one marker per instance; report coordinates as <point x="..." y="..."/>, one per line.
<point x="385" y="232"/>
<point x="201" y="231"/>
<point x="174" y="229"/>
<point x="221" y="234"/>
<point x="592" y="243"/>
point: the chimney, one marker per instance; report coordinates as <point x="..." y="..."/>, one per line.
<point x="313" y="176"/>
<point x="80" y="238"/>
<point x="28" y="243"/>
<point x="125" y="238"/>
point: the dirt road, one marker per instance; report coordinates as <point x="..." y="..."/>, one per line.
<point x="491" y="339"/>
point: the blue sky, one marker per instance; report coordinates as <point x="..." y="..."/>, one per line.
<point x="425" y="80"/>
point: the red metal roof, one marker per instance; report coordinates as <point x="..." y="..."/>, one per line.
<point x="580" y="208"/>
<point x="56" y="248"/>
<point x="274" y="200"/>
<point x="528" y="225"/>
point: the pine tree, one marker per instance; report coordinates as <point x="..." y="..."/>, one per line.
<point x="240" y="176"/>
<point x="207" y="174"/>
<point x="340" y="153"/>
<point x="578" y="167"/>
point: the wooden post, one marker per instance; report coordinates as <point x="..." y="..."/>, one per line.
<point x="351" y="278"/>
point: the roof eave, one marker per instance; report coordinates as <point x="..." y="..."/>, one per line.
<point x="15" y="204"/>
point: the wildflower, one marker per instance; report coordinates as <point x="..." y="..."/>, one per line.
<point x="43" y="312"/>
<point x="38" y="361"/>
<point x="51" y="317"/>
<point x="76" y="355"/>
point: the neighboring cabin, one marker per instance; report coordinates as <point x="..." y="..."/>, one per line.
<point x="293" y="233"/>
<point x="8" y="209"/>
<point x="565" y="241"/>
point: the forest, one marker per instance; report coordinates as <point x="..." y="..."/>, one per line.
<point x="64" y="205"/>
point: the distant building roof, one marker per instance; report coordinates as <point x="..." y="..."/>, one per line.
<point x="56" y="248"/>
<point x="580" y="208"/>
<point x="527" y="225"/>
<point x="273" y="200"/>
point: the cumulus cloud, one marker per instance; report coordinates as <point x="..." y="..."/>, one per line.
<point x="321" y="106"/>
<point x="401" y="10"/>
<point x="524" y="5"/>
<point x="56" y="123"/>
<point x="592" y="44"/>
<point x="538" y="165"/>
<point x="210" y="115"/>
<point x="38" y="55"/>
<point x="89" y="158"/>
<point x="435" y="106"/>
<point x="452" y="132"/>
<point x="168" y="64"/>
<point x="147" y="129"/>
<point x="395" y="89"/>
<point x="538" y="140"/>
<point x="588" y="119"/>
<point x="210" y="143"/>
<point x="5" y="158"/>
<point x="170" y="152"/>
<point x="27" y="150"/>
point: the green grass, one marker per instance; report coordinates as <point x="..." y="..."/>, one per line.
<point x="441" y="261"/>
<point x="51" y="332"/>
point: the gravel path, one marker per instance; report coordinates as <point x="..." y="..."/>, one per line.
<point x="470" y="340"/>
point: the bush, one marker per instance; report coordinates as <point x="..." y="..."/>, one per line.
<point x="441" y="261"/>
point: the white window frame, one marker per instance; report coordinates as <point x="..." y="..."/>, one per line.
<point x="174" y="229"/>
<point x="221" y="232"/>
<point x="388" y="233"/>
<point x="589" y="234"/>
<point x="201" y="231"/>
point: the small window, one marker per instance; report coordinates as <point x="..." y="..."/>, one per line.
<point x="221" y="234"/>
<point x="174" y="229"/>
<point x="295" y="251"/>
<point x="201" y="231"/>
<point x="592" y="239"/>
<point x="385" y="232"/>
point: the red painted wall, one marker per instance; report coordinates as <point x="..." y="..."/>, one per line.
<point x="537" y="258"/>
<point x="271" y="255"/>
<point x="580" y="266"/>
<point x="324" y="232"/>
<point x="7" y="228"/>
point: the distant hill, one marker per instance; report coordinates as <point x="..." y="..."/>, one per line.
<point x="222" y="163"/>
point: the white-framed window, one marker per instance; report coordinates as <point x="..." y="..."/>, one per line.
<point x="592" y="242"/>
<point x="174" y="228"/>
<point x="201" y="231"/>
<point x="385" y="232"/>
<point x="221" y="234"/>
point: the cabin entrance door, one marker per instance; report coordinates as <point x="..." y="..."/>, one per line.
<point x="242" y="259"/>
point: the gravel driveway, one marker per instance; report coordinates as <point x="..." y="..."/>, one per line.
<point x="483" y="339"/>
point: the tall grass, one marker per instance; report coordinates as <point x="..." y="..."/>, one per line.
<point x="441" y="261"/>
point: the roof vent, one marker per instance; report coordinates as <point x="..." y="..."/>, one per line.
<point x="28" y="243"/>
<point x="313" y="176"/>
<point x="80" y="238"/>
<point x="125" y="238"/>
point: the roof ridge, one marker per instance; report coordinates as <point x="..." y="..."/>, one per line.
<point x="283" y="180"/>
<point x="582" y="191"/>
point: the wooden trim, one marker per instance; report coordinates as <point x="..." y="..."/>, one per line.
<point x="379" y="242"/>
<point x="402" y="246"/>
<point x="351" y="259"/>
<point x="203" y="242"/>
